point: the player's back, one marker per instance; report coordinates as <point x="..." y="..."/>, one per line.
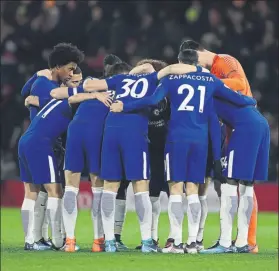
<point x="235" y="115"/>
<point x="191" y="99"/>
<point x="51" y="122"/>
<point x="130" y="88"/>
<point x="226" y="66"/>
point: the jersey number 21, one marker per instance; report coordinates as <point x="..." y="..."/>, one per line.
<point x="184" y="105"/>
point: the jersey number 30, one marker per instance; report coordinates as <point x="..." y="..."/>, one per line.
<point x="184" y="105"/>
<point x="131" y="86"/>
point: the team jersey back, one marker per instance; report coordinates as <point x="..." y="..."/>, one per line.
<point x="234" y="115"/>
<point x="191" y="99"/>
<point x="52" y="120"/>
<point x="128" y="88"/>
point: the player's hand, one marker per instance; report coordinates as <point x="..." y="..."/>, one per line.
<point x="104" y="97"/>
<point x="46" y="73"/>
<point x="217" y="168"/>
<point x="116" y="107"/>
<point x="26" y="101"/>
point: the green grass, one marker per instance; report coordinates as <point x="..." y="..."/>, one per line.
<point x="14" y="258"/>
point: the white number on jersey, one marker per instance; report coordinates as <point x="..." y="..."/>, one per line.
<point x="184" y="105"/>
<point x="50" y="108"/>
<point x="131" y="86"/>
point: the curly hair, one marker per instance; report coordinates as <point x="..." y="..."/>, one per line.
<point x="63" y="54"/>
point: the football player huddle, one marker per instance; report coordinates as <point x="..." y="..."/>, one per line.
<point x="172" y="128"/>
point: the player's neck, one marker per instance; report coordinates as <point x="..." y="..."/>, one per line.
<point x="54" y="76"/>
<point x="210" y="58"/>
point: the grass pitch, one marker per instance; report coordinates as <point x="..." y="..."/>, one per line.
<point x="14" y="258"/>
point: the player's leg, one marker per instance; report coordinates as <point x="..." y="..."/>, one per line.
<point x="136" y="166"/>
<point x="156" y="185"/>
<point x="204" y="211"/>
<point x="245" y="209"/>
<point x="39" y="216"/>
<point x="97" y="186"/>
<point x="261" y="174"/>
<point x="120" y="213"/>
<point x="30" y="197"/>
<point x="175" y="161"/>
<point x="74" y="164"/>
<point x="112" y="173"/>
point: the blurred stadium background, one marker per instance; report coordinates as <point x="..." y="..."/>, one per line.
<point x="247" y="30"/>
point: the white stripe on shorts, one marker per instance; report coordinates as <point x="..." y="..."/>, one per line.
<point x="144" y="166"/>
<point x="51" y="169"/>
<point x="230" y="164"/>
<point x="168" y="166"/>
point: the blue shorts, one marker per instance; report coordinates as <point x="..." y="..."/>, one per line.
<point x="186" y="161"/>
<point x="247" y="154"/>
<point x="83" y="147"/>
<point x="37" y="161"/>
<point x="124" y="155"/>
<point x="157" y="171"/>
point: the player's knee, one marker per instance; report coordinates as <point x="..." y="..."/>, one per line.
<point x="204" y="187"/>
<point x="31" y="191"/>
<point x="54" y="190"/>
<point x="72" y="178"/>
<point x="176" y="188"/>
<point x="140" y="186"/>
<point x="111" y="186"/>
<point x="232" y="181"/>
<point x="96" y="181"/>
<point x="217" y="188"/>
<point x="247" y="183"/>
<point x="191" y="188"/>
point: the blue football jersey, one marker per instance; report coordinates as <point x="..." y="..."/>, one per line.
<point x="52" y="120"/>
<point x="128" y="88"/>
<point x="41" y="88"/>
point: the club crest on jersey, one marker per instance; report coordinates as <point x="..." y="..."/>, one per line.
<point x="156" y="112"/>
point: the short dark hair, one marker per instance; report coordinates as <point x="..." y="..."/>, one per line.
<point x="111" y="60"/>
<point x="77" y="70"/>
<point x="191" y="44"/>
<point x="188" y="56"/>
<point x="157" y="64"/>
<point x="64" y="53"/>
<point x="119" y="68"/>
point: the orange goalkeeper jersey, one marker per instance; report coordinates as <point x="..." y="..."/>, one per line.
<point x="230" y="71"/>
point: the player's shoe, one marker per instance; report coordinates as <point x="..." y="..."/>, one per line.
<point x="48" y="241"/>
<point x="43" y="244"/>
<point x="120" y="246"/>
<point x="154" y="242"/>
<point x="191" y="249"/>
<point x="98" y="245"/>
<point x="253" y="249"/>
<point x="219" y="250"/>
<point x="174" y="249"/>
<point x="148" y="246"/>
<point x="110" y="246"/>
<point x="216" y="244"/>
<point x="199" y="245"/>
<point x="77" y="248"/>
<point x="70" y="245"/>
<point x="36" y="246"/>
<point x="170" y="242"/>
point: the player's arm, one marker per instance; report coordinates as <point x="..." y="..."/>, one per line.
<point x="223" y="92"/>
<point x="103" y="97"/>
<point x="232" y="78"/>
<point x="159" y="94"/>
<point x="144" y="68"/>
<point x="179" y="69"/>
<point x="25" y="91"/>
